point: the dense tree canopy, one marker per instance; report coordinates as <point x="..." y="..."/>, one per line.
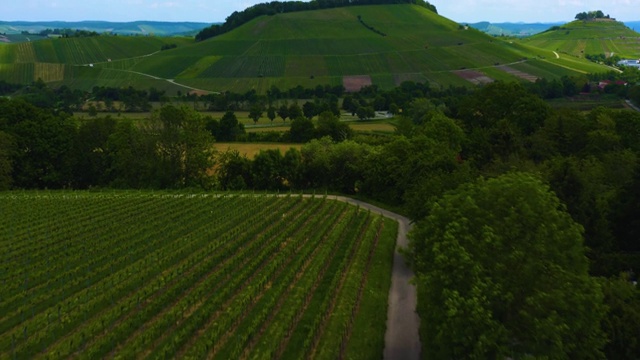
<point x="589" y="15"/>
<point x="502" y="273"/>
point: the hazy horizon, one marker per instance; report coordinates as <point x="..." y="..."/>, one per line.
<point x="471" y="11"/>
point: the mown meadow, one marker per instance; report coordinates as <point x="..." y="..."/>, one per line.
<point x="176" y="275"/>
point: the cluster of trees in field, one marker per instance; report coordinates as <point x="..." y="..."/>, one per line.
<point x="603" y="59"/>
<point x="239" y="18"/>
<point x="590" y="15"/>
<point x="68" y="33"/>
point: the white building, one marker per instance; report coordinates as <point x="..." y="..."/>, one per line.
<point x="632" y="63"/>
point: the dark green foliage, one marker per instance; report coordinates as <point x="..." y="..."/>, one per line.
<point x="256" y="112"/>
<point x="598" y="14"/>
<point x="168" y="47"/>
<point x="502" y="273"/>
<point x="227" y="129"/>
<point x="365" y="112"/>
<point x="309" y="110"/>
<point x="283" y="112"/>
<point x="7" y="150"/>
<point x="92" y="143"/>
<point x="42" y="142"/>
<point x="132" y="156"/>
<point x="330" y="125"/>
<point x="184" y="147"/>
<point x="234" y="171"/>
<point x="622" y="322"/>
<point x="271" y="113"/>
<point x="295" y="111"/>
<point x="301" y="130"/>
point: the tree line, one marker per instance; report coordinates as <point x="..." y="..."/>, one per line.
<point x="239" y="18"/>
<point x="590" y="15"/>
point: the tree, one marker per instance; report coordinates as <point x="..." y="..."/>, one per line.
<point x="229" y="127"/>
<point x="132" y="157"/>
<point x="295" y="111"/>
<point x="267" y="170"/>
<point x="184" y="147"/>
<point x="622" y="323"/>
<point x="330" y="125"/>
<point x="365" y="112"/>
<point x="309" y="110"/>
<point x="256" y="112"/>
<point x="91" y="147"/>
<point x="501" y="272"/>
<point x="302" y="130"/>
<point x="271" y="113"/>
<point x="283" y="112"/>
<point x="233" y="171"/>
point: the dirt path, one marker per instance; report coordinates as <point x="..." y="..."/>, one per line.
<point x="402" y="340"/>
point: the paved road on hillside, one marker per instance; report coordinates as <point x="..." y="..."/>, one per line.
<point x="402" y="340"/>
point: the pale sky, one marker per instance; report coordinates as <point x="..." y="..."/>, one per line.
<point x="217" y="11"/>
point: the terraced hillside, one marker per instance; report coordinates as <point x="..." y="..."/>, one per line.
<point x="74" y="60"/>
<point x="354" y="46"/>
<point x="579" y="38"/>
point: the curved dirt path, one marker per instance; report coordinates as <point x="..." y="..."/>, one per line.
<point x="402" y="340"/>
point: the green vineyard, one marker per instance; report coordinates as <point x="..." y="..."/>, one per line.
<point x="163" y="275"/>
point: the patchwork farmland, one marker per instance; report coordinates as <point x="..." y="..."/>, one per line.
<point x="166" y="275"/>
<point x="310" y="48"/>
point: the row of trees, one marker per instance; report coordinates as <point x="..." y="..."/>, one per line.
<point x="44" y="149"/>
<point x="67" y="33"/>
<point x="236" y="19"/>
<point x="590" y="15"/>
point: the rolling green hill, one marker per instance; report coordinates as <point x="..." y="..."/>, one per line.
<point x="579" y="38"/>
<point x="157" y="28"/>
<point x="353" y="46"/>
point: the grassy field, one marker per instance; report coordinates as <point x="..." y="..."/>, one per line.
<point x="306" y="48"/>
<point x="170" y="275"/>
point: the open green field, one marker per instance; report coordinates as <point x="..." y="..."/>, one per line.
<point x="286" y="50"/>
<point x="580" y="38"/>
<point x="170" y="275"/>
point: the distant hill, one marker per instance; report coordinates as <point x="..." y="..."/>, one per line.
<point x="513" y="29"/>
<point x="381" y="45"/>
<point x="633" y="25"/>
<point x="156" y="28"/>
<point x="581" y="38"/>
